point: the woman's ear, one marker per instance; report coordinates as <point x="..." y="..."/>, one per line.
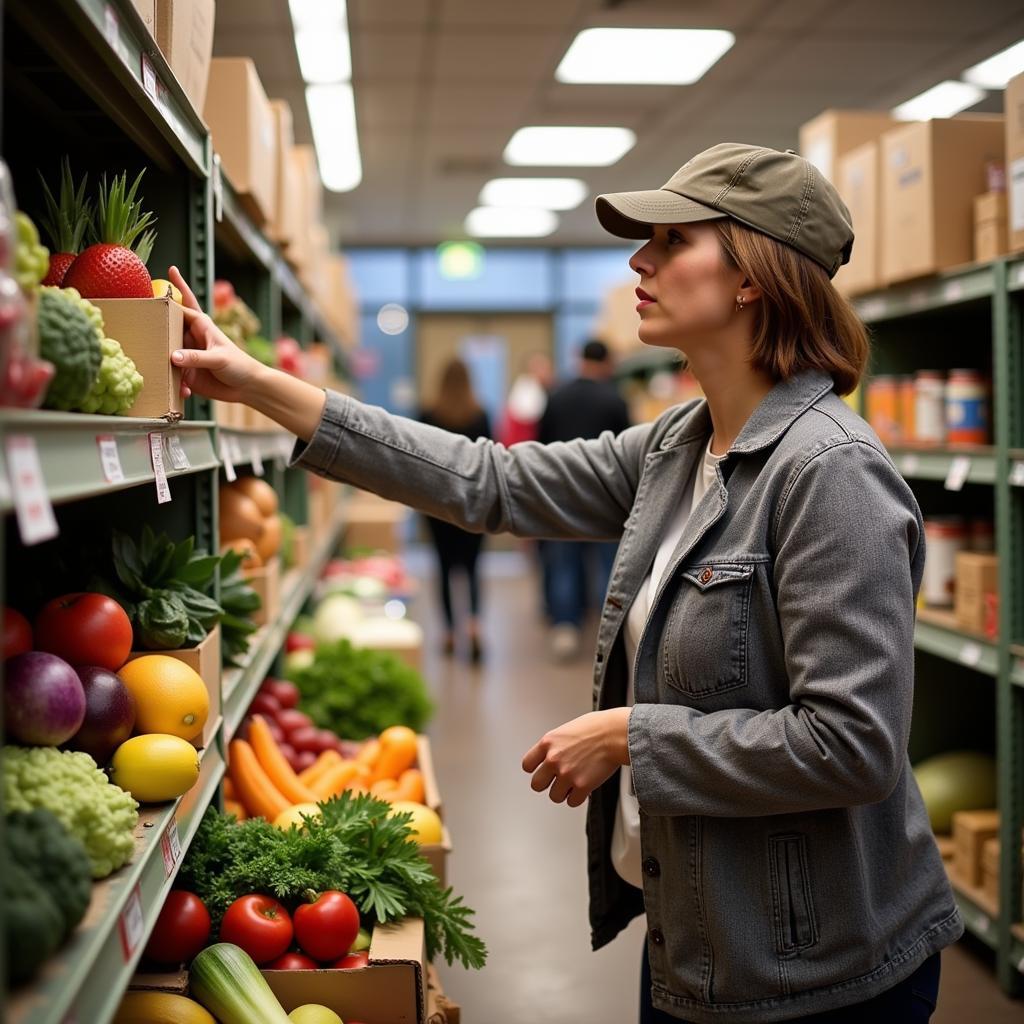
<point x="748" y="292"/>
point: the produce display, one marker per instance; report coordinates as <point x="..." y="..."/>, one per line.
<point x="161" y="1008"/>
<point x="250" y="521"/>
<point x="67" y="221"/>
<point x="31" y="258"/>
<point x="239" y="601"/>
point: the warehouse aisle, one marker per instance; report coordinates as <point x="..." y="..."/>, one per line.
<point x="519" y="860"/>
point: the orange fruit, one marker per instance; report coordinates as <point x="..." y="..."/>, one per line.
<point x="170" y="696"/>
<point x="426" y="825"/>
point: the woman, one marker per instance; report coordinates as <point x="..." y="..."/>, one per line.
<point x="760" y="613"/>
<point x="458" y="411"/>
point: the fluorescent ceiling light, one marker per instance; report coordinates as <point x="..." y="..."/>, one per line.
<point x="318" y="14"/>
<point x="542" y="193"/>
<point x="324" y="55"/>
<point x="510" y="222"/>
<point x="643" y="56"/>
<point x="332" y="113"/>
<point x="998" y="69"/>
<point x="547" y="146"/>
<point x="942" y="100"/>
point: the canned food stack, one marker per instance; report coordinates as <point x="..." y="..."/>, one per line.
<point x="945" y="538"/>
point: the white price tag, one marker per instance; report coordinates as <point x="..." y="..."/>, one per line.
<point x="909" y="464"/>
<point x="218" y="190"/>
<point x="112" y="28"/>
<point x="918" y="299"/>
<point x="36" y="521"/>
<point x="131" y="925"/>
<point x="257" y="459"/>
<point x="170" y="847"/>
<point x="959" y="469"/>
<point x="225" y="457"/>
<point x="970" y="655"/>
<point x="236" y="449"/>
<point x="176" y="451"/>
<point x="952" y="291"/>
<point x="149" y="79"/>
<point x="156" y="455"/>
<point x="1017" y="474"/>
<point x="110" y="459"/>
<point x="285" y="444"/>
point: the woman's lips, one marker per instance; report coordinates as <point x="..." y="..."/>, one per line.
<point x="645" y="299"/>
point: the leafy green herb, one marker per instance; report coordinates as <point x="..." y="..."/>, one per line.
<point x="239" y="601"/>
<point x="355" y="847"/>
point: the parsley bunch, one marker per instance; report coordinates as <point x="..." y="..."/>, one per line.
<point x="355" y="847"/>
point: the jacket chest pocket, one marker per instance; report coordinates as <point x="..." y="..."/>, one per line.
<point x="704" y="647"/>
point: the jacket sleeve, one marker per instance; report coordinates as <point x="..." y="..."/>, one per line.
<point x="847" y="567"/>
<point x="579" y="489"/>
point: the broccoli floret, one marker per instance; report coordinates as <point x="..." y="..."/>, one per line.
<point x="100" y="815"/>
<point x="118" y="384"/>
<point x="69" y="339"/>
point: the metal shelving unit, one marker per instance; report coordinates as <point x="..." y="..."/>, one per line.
<point x="985" y="306"/>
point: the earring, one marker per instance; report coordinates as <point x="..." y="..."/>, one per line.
<point x="739" y="303"/>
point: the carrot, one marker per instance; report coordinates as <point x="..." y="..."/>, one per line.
<point x="328" y="759"/>
<point x="355" y="787"/>
<point x="255" y="790"/>
<point x="276" y="765"/>
<point x="410" y="786"/>
<point x="230" y="793"/>
<point x="235" y="808"/>
<point x="368" y="753"/>
<point x="385" y="789"/>
<point x="398" y="748"/>
<point x="334" y="779"/>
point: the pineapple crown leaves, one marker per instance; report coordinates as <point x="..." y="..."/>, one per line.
<point x="68" y="218"/>
<point x="119" y="218"/>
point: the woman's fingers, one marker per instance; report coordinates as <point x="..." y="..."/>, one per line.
<point x="560" y="790"/>
<point x="533" y="757"/>
<point x="542" y="778"/>
<point x="199" y="359"/>
<point x="187" y="297"/>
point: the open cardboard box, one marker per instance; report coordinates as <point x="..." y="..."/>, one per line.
<point x="301" y="548"/>
<point x="204" y="659"/>
<point x="266" y="581"/>
<point x="149" y="330"/>
<point x="436" y="853"/>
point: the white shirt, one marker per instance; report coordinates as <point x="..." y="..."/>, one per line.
<point x="626" y="834"/>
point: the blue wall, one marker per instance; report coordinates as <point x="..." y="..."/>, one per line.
<point x="568" y="283"/>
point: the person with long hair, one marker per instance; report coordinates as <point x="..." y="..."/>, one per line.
<point x="458" y="551"/>
<point x="745" y="765"/>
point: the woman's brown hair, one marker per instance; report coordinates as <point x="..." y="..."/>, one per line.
<point x="803" y="323"/>
<point x="456" y="405"/>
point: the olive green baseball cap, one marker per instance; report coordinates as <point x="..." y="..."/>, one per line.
<point x="780" y="194"/>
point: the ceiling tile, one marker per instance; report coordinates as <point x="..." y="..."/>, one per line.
<point x="518" y="14"/>
<point x="232" y="14"/>
<point x="510" y="56"/>
<point x="388" y="105"/>
<point x="392" y="54"/>
<point x="452" y="106"/>
<point x="389" y="13"/>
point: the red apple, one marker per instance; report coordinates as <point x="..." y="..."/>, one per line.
<point x="290" y="719"/>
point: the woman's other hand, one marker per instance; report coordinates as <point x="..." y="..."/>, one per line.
<point x="577" y="757"/>
<point x="213" y="365"/>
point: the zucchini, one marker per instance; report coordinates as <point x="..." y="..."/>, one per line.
<point x="160" y="1008"/>
<point x="225" y="980"/>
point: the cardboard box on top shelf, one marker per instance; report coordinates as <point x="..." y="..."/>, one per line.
<point x="244" y="134"/>
<point x="991" y="237"/>
<point x="857" y="177"/>
<point x="977" y="574"/>
<point x="184" y="33"/>
<point x="1013" y="108"/>
<point x="833" y="133"/>
<point x="149" y="330"/>
<point x="147" y="11"/>
<point x="971" y="830"/>
<point x="266" y="581"/>
<point x="296" y="249"/>
<point x="373" y="524"/>
<point x="287" y="213"/>
<point x="317" y="281"/>
<point x="931" y="172"/>
<point x="990" y="869"/>
<point x="341" y="302"/>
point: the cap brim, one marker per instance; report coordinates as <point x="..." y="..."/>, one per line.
<point x="632" y="214"/>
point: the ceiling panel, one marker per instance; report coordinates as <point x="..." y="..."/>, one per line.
<point x="390" y="13"/>
<point x="388" y="105"/>
<point x="551" y="14"/>
<point x="505" y="56"/>
<point x="450" y="105"/>
<point x="388" y="54"/>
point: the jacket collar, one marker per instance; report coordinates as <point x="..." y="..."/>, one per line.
<point x="788" y="400"/>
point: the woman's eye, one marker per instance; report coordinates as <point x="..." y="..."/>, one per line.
<point x="674" y="237"/>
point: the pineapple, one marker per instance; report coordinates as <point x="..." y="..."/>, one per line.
<point x="66" y="222"/>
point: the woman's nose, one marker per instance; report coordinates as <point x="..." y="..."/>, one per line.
<point x="640" y="262"/>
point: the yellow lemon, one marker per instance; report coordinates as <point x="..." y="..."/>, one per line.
<point x="170" y="697"/>
<point x="293" y="816"/>
<point x="155" y="767"/>
<point x="162" y="288"/>
<point x="314" y="1013"/>
<point x="425" y="824"/>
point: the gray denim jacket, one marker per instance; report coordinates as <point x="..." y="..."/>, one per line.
<point x="789" y="867"/>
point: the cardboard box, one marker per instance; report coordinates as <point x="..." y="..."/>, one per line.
<point x="149" y="330"/>
<point x="990" y="869"/>
<point x="287" y="213"/>
<point x="440" y="1009"/>
<point x="301" y="546"/>
<point x="857" y="181"/>
<point x="266" y="581"/>
<point x="373" y="523"/>
<point x="827" y="137"/>
<point x="391" y="989"/>
<point x="204" y="659"/>
<point x="931" y="172"/>
<point x="184" y="33"/>
<point x="1013" y="108"/>
<point x="244" y="134"/>
<point x="971" y="830"/>
<point x="437" y="856"/>
<point x="300" y="250"/>
<point x="991" y="238"/>
<point x="147" y="11"/>
<point x="977" y="574"/>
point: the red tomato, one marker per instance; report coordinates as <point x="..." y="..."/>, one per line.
<point x="17" y="633"/>
<point x="265" y="704"/>
<point x="289" y="752"/>
<point x="352" y="962"/>
<point x="260" y="925"/>
<point x="327" y="927"/>
<point x="298" y="642"/>
<point x="293" y="962"/>
<point x="181" y="930"/>
<point x="289" y="719"/>
<point x="304" y="759"/>
<point x="306" y="738"/>
<point x="85" y="629"/>
<point x="276" y="731"/>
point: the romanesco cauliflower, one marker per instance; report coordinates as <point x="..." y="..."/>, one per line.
<point x="118" y="384"/>
<point x="100" y="815"/>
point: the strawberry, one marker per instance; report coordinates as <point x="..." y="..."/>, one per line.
<point x="66" y="223"/>
<point x="114" y="267"/>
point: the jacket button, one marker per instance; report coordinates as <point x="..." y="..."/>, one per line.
<point x="706" y="576"/>
<point x="651" y="867"/>
<point x="656" y="937"/>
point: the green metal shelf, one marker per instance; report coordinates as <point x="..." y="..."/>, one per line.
<point x="239" y="686"/>
<point x="1015" y="274"/>
<point x="84" y="983"/>
<point x="68" y="445"/>
<point x="978" y="920"/>
<point x="247" y="447"/>
<point x="935" y="633"/>
<point x="1017" y="948"/>
<point x="921" y="463"/>
<point x="966" y="284"/>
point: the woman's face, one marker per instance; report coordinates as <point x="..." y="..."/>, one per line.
<point x="687" y="292"/>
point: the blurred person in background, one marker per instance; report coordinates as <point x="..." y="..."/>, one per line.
<point x="527" y="399"/>
<point x="584" y="407"/>
<point x="458" y="411"/>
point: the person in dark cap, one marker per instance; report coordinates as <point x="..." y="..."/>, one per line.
<point x="745" y="765"/>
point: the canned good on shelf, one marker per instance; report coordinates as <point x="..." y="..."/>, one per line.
<point x="967" y="419"/>
<point x="982" y="535"/>
<point x="929" y="406"/>
<point x="883" y="408"/>
<point x="944" y="537"/>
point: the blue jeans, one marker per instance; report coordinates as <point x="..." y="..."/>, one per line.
<point x="912" y="1001"/>
<point x="569" y="565"/>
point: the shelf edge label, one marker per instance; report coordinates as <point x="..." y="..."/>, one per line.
<point x="177" y="453"/>
<point x="225" y="457"/>
<point x="170" y="847"/>
<point x="156" y="455"/>
<point x="131" y="925"/>
<point x="959" y="469"/>
<point x="110" y="459"/>
<point x="257" y="459"/>
<point x="34" y="512"/>
<point x="149" y="80"/>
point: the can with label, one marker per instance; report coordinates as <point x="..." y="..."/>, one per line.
<point x="982" y="535"/>
<point x="908" y="398"/>
<point x="930" y="407"/>
<point x="883" y="408"/>
<point x="967" y="420"/>
<point x="944" y="537"/>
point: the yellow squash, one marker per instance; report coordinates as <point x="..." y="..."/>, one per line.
<point x="160" y="1008"/>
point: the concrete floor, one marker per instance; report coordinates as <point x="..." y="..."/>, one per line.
<point x="519" y="860"/>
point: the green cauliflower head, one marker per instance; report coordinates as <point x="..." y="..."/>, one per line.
<point x="31" y="258"/>
<point x="117" y="385"/>
<point x="68" y="338"/>
<point x="99" y="814"/>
